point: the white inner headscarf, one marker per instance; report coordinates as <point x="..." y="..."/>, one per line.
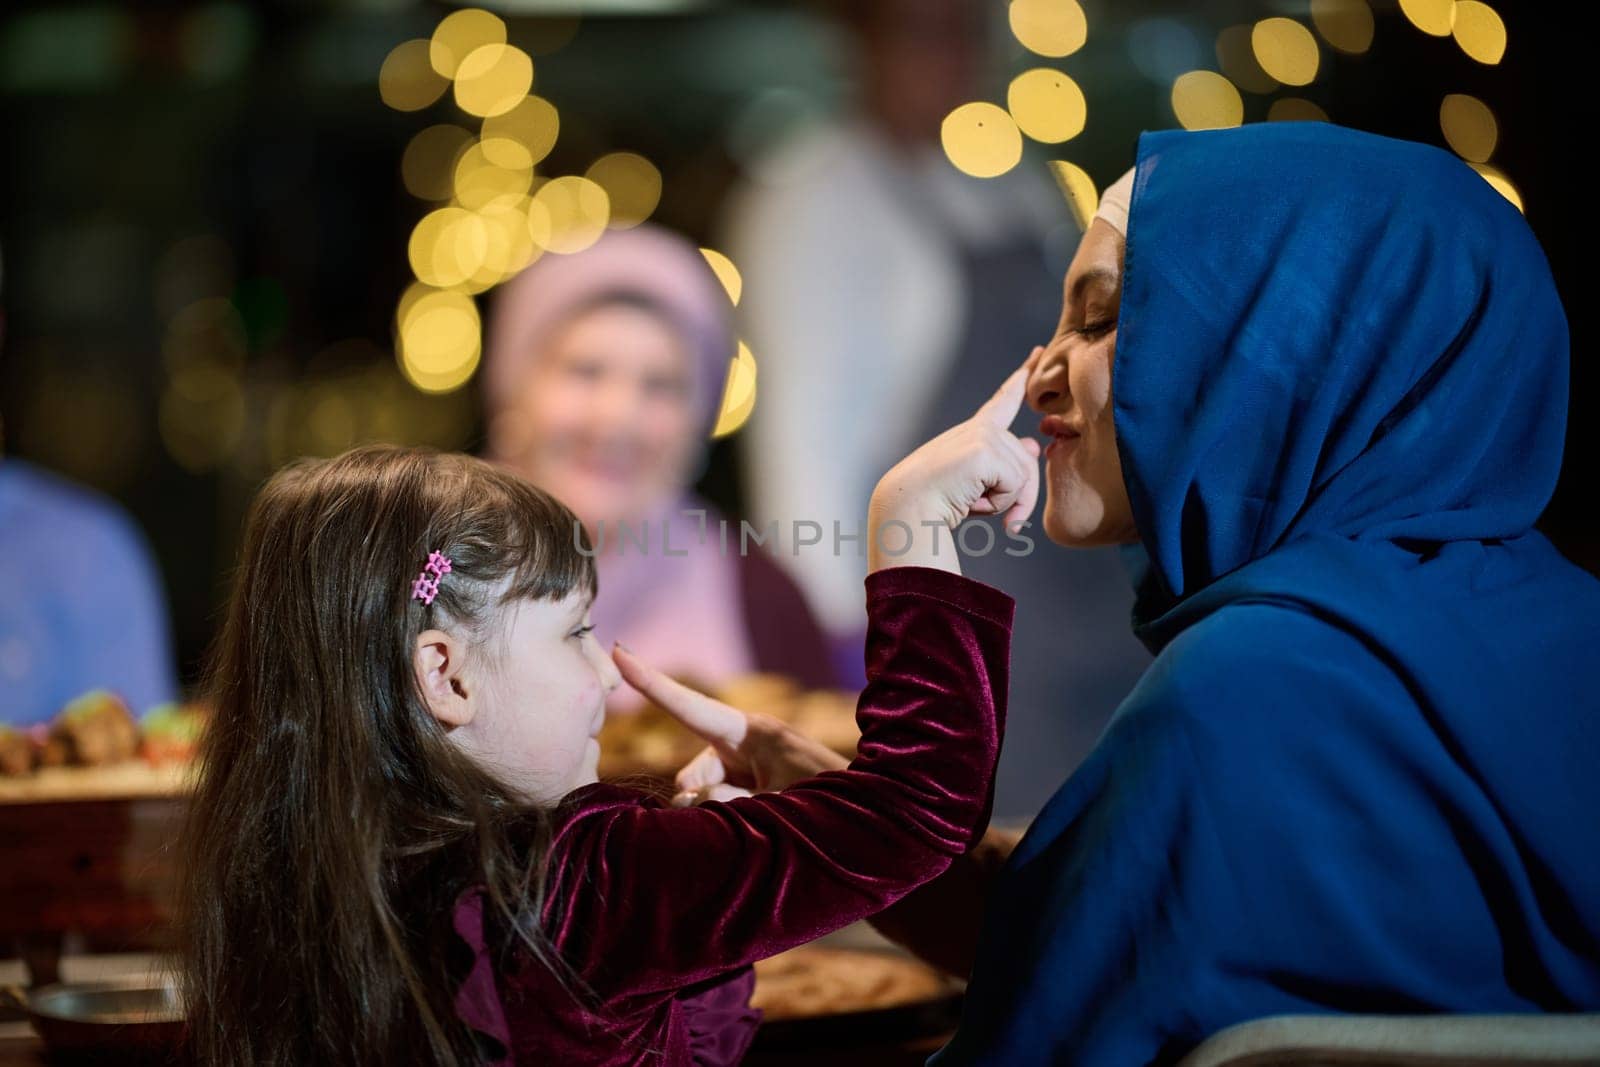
<point x="1115" y="201"/>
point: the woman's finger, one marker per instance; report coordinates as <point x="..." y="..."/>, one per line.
<point x="711" y="719"/>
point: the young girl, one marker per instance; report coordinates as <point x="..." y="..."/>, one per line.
<point x="398" y="851"/>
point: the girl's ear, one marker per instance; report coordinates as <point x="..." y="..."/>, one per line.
<point x="438" y="662"/>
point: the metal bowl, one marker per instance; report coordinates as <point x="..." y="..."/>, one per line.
<point x="130" y="1018"/>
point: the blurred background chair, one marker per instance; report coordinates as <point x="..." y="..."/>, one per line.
<point x="1403" y="1041"/>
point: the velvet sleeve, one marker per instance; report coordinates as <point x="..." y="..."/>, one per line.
<point x="652" y="898"/>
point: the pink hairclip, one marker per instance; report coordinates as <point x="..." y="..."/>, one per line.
<point x="425" y="588"/>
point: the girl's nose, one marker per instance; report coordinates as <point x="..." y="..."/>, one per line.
<point x="606" y="667"/>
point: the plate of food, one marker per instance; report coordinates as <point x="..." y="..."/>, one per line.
<point x="824" y="995"/>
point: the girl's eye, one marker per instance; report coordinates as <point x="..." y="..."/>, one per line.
<point x="583" y="631"/>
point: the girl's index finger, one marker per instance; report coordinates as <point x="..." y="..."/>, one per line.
<point x="1001" y="408"/>
<point x="711" y="719"/>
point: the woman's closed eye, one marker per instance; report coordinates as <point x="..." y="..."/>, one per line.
<point x="1093" y="330"/>
<point x="581" y="632"/>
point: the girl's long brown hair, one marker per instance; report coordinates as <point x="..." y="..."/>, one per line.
<point x="334" y="824"/>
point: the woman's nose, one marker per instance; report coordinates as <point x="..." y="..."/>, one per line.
<point x="1047" y="384"/>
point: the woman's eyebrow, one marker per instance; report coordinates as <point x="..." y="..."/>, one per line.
<point x="1092" y="276"/>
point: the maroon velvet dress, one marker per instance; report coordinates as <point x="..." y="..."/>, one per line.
<point x="660" y="911"/>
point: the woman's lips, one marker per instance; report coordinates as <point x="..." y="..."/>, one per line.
<point x="1063" y="435"/>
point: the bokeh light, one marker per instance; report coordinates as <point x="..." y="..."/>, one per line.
<point x="522" y="136"/>
<point x="202" y="417"/>
<point x="1480" y="31"/>
<point x="1433" y="17"/>
<point x="738" y="394"/>
<point x="479" y="182"/>
<point x="208" y="332"/>
<point x="1205" y="100"/>
<point x="1237" y="57"/>
<point x="1469" y="127"/>
<point x="1047" y="105"/>
<point x="1296" y="109"/>
<point x="726" y="273"/>
<point x="1347" y="25"/>
<point x="1286" y="50"/>
<point x="981" y="139"/>
<point x="493" y="79"/>
<point x="447" y="247"/>
<point x="1053" y="28"/>
<point x="428" y="165"/>
<point x="1501" y="183"/>
<point x="1079" y="190"/>
<point x="509" y="245"/>
<point x="407" y="80"/>
<point x="576" y="213"/>
<point x="632" y="184"/>
<point x="440" y="339"/>
<point x="461" y="33"/>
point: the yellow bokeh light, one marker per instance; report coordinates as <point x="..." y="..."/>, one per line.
<point x="1501" y="183"/>
<point x="461" y="33"/>
<point x="1047" y="105"/>
<point x="522" y="136"/>
<point x="726" y="273"/>
<point x="408" y="300"/>
<point x="981" y="139"/>
<point x="1204" y="100"/>
<point x="493" y="79"/>
<point x="208" y="331"/>
<point x="510" y="246"/>
<point x="576" y="213"/>
<point x="738" y="395"/>
<point x="440" y="339"/>
<point x="1347" y="25"/>
<point x="1480" y="31"/>
<point x="1294" y="109"/>
<point x="1237" y="58"/>
<point x="1469" y="127"/>
<point x="479" y="182"/>
<point x="632" y="184"/>
<point x="1286" y="50"/>
<point x="1078" y="189"/>
<point x="428" y="165"/>
<point x="1052" y="28"/>
<point x="1434" y="17"/>
<point x="202" y="417"/>
<point x="448" y="247"/>
<point x="407" y="81"/>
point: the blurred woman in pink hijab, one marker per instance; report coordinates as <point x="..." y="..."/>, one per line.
<point x="603" y="373"/>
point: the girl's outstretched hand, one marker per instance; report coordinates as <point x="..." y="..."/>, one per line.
<point x="746" y="752"/>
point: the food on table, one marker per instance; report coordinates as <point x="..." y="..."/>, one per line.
<point x="16" y="752"/>
<point x="95" y="729"/>
<point x="653" y="743"/>
<point x="170" y="733"/>
<point x="815" y="980"/>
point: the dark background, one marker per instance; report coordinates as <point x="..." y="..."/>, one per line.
<point x="155" y="154"/>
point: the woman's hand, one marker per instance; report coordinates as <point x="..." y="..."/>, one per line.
<point x="978" y="467"/>
<point x="747" y="752"/>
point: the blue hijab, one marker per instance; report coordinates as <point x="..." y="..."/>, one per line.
<point x="1363" y="772"/>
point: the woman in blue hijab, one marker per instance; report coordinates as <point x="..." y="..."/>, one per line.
<point x="1363" y="772"/>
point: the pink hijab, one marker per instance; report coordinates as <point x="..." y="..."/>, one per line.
<point x="681" y="613"/>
